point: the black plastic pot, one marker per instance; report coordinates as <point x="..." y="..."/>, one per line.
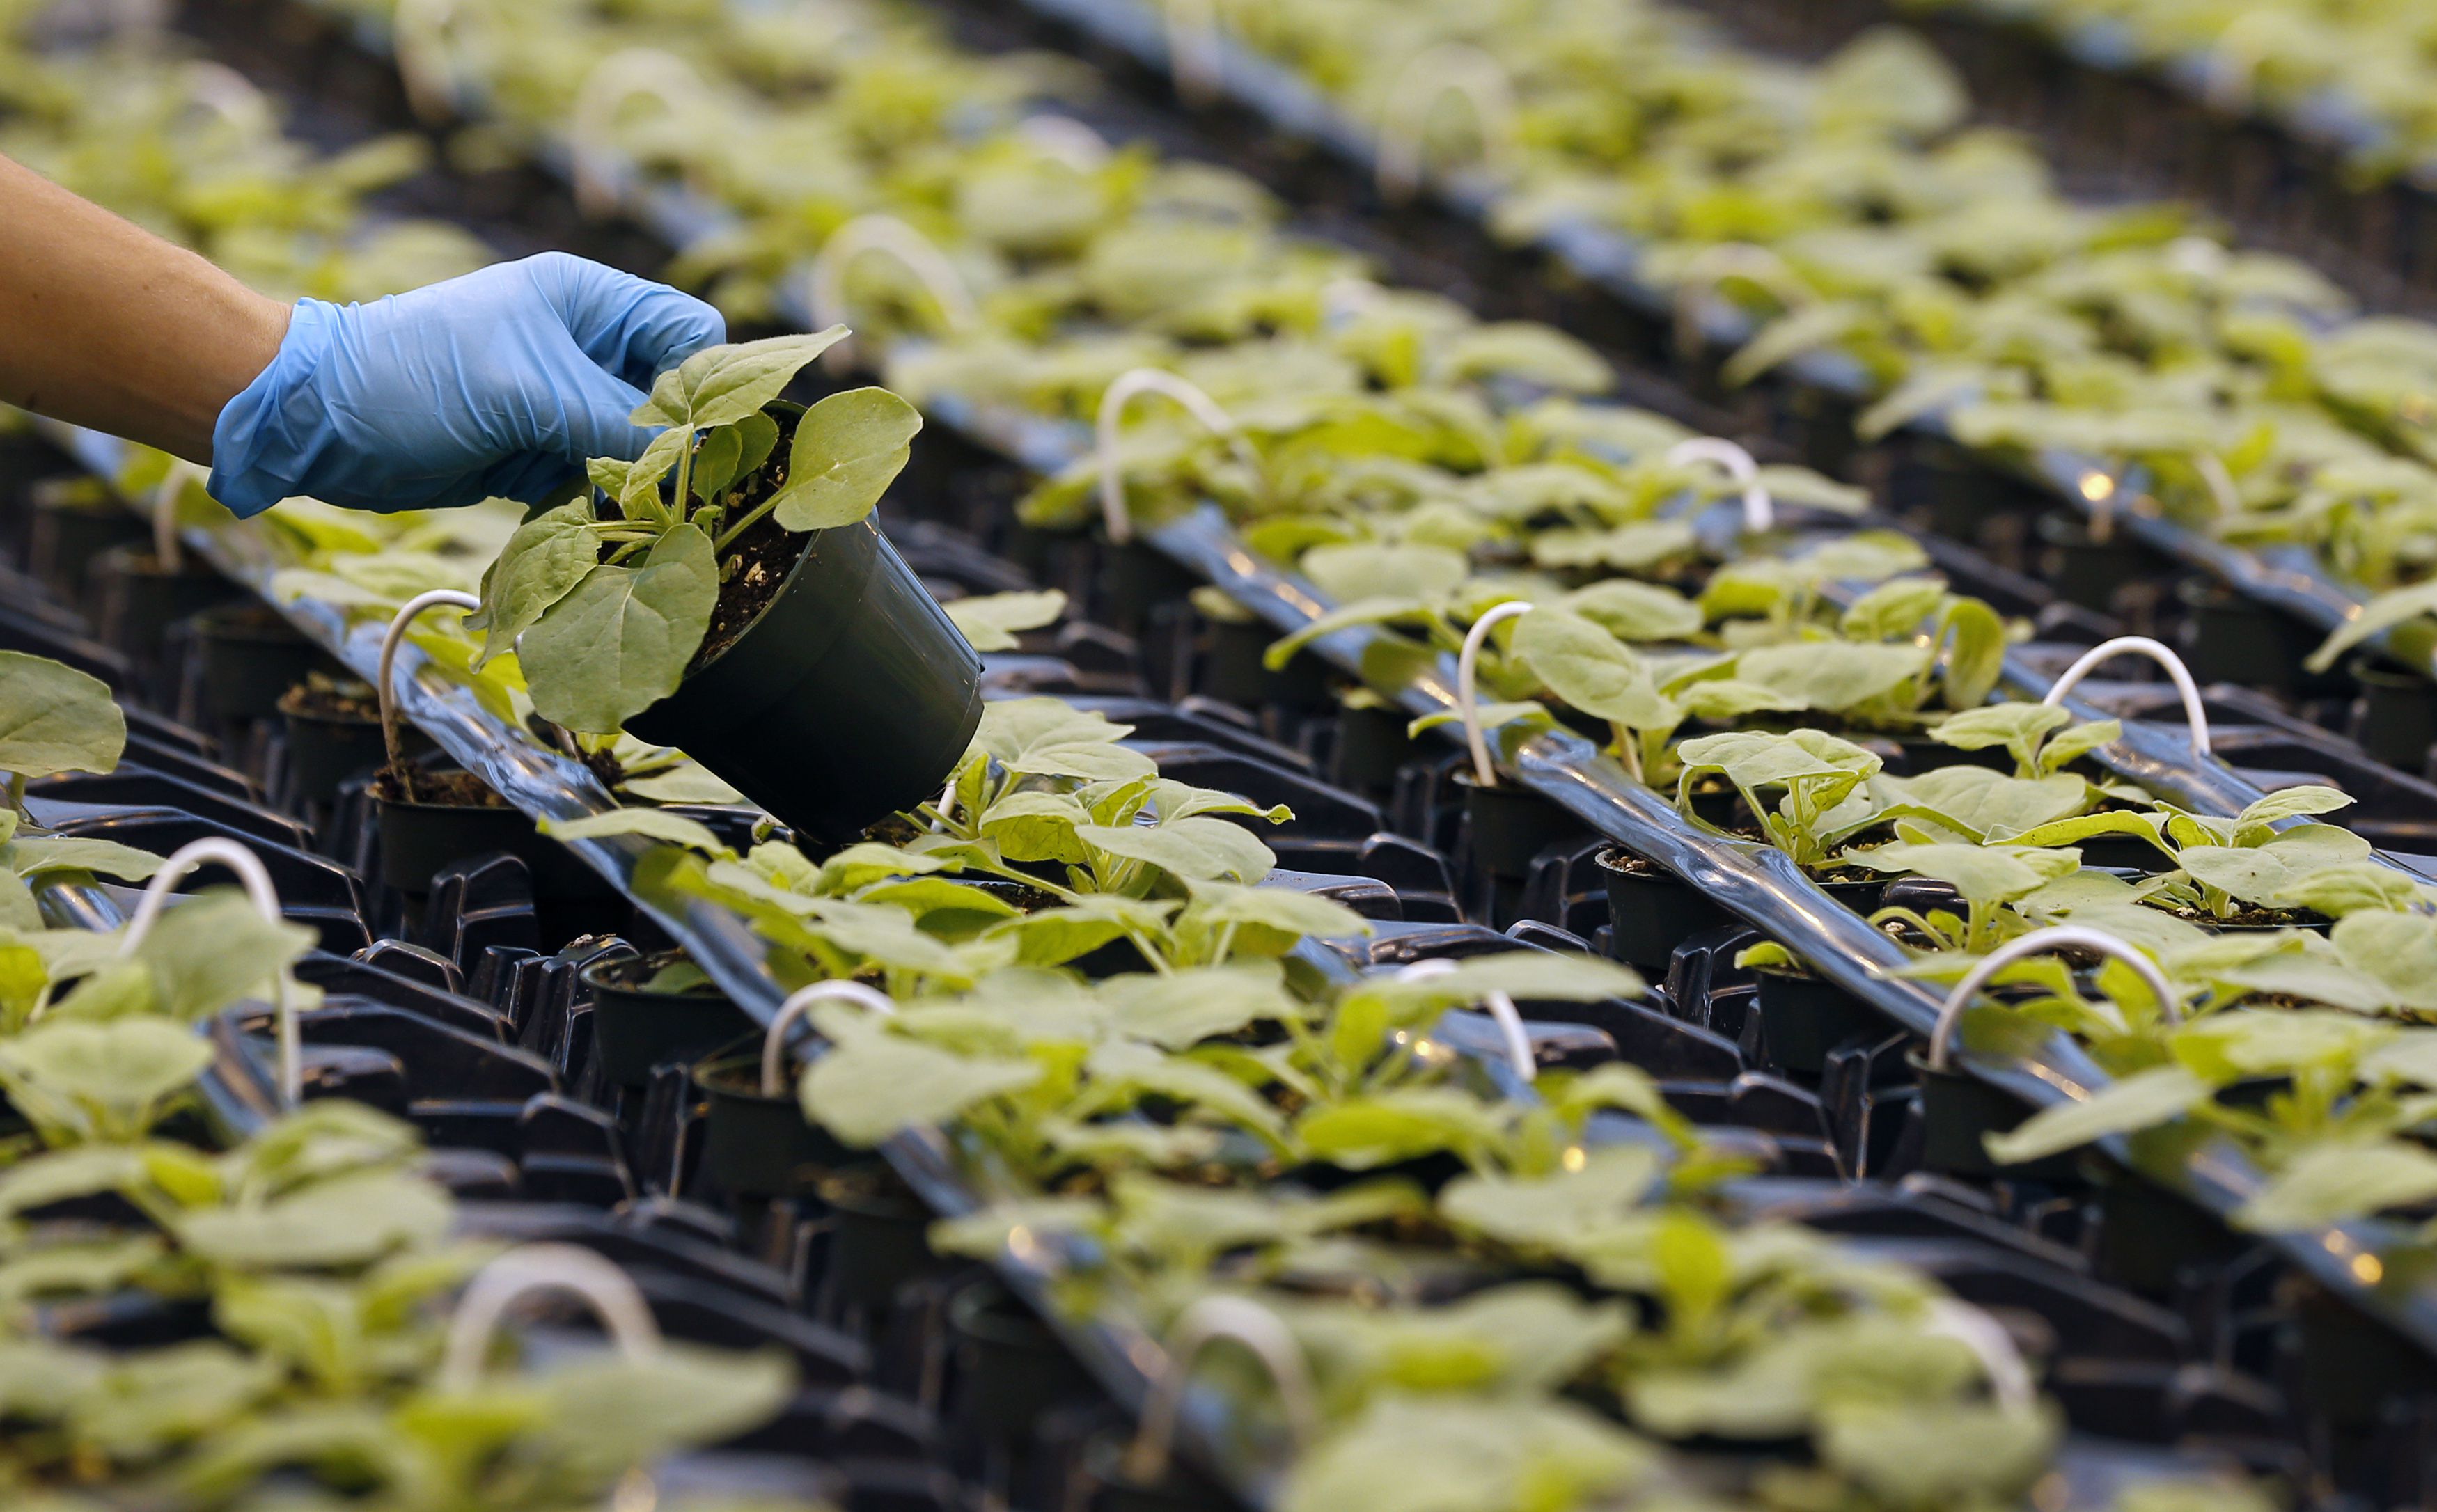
<point x="1651" y="911"/>
<point x="1136" y="580"/>
<point x="635" y="1029"/>
<point x="2147" y="1237"/>
<point x="1236" y="674"/>
<point x="68" y="534"/>
<point x="251" y="657"/>
<point x="2084" y="571"/>
<point x="2229" y="638"/>
<point x="326" y="751"/>
<point x="762" y="1147"/>
<point x="139" y="600"/>
<point x="1804" y="1017"/>
<point x="1372" y="747"/>
<point x="1958" y="1111"/>
<point x="851" y="696"/>
<point x="418" y="839"/>
<point x="1014" y="1369"/>
<point x="1510" y="826"/>
<point x="2394" y="719"/>
<point x="2354" y="1368"/>
<point x="878" y="1242"/>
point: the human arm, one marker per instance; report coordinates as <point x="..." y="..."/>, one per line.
<point x="104" y="324"/>
<point x="501" y="382"/>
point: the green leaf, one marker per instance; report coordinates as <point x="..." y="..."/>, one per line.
<point x="1197" y="849"/>
<point x="2258" y="874"/>
<point x="1942" y="1453"/>
<point x="872" y="1085"/>
<point x="721" y="385"/>
<point x="990" y="622"/>
<point x="54" y="718"/>
<point x="2293" y="803"/>
<point x="349" y="1220"/>
<point x="212" y="949"/>
<point x="2142" y="1101"/>
<point x="1633" y="611"/>
<point x="1048" y="738"/>
<point x="607" y="1414"/>
<point x="1186" y="1007"/>
<point x="1369" y="569"/>
<point x="1593" y="670"/>
<point x="102" y="1080"/>
<point x="33" y="855"/>
<point x="1983" y="873"/>
<point x="652" y="824"/>
<point x="1555" y="1212"/>
<point x="1261" y="921"/>
<point x="1469" y="1453"/>
<point x="2331" y="1183"/>
<point x="2381" y="614"/>
<point x="620" y="641"/>
<point x="1363" y="1133"/>
<point x="849" y="448"/>
<point x="541" y="564"/>
<point x="1831" y="675"/>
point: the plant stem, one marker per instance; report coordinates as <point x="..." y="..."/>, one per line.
<point x="741" y="526"/>
<point x="685" y="482"/>
<point x="17" y="792"/>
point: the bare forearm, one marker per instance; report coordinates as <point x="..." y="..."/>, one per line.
<point x="104" y="324"/>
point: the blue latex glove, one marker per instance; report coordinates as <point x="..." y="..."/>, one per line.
<point x="501" y="382"/>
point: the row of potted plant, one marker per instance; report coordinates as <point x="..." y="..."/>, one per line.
<point x="1051" y="811"/>
<point x="199" y="1321"/>
<point x="1840" y="224"/>
<point x="1758" y="639"/>
<point x="2367" y="65"/>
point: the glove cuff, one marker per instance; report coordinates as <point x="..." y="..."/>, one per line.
<point x="268" y="439"/>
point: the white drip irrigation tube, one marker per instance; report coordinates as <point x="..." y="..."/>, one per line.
<point x="1196" y="64"/>
<point x="1241" y="1321"/>
<point x="2009" y="1377"/>
<point x="265" y="898"/>
<point x="1467" y="676"/>
<point x="2157" y="652"/>
<point x="434" y="598"/>
<point x="1454" y="68"/>
<point x="825" y="281"/>
<point x="774" y="1040"/>
<point x="1760" y="508"/>
<point x="2043" y="942"/>
<point x="1130" y="386"/>
<point x="1500" y="1009"/>
<point x="616" y="81"/>
<point x="567" y="1269"/>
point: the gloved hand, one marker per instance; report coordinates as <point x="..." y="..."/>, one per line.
<point x="501" y="382"/>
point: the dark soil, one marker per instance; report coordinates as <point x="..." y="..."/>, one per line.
<point x="607" y="768"/>
<point x="449" y="789"/>
<point x="2254" y="918"/>
<point x="764" y="556"/>
<point x="322" y="698"/>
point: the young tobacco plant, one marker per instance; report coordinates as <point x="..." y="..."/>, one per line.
<point x="606" y="604"/>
